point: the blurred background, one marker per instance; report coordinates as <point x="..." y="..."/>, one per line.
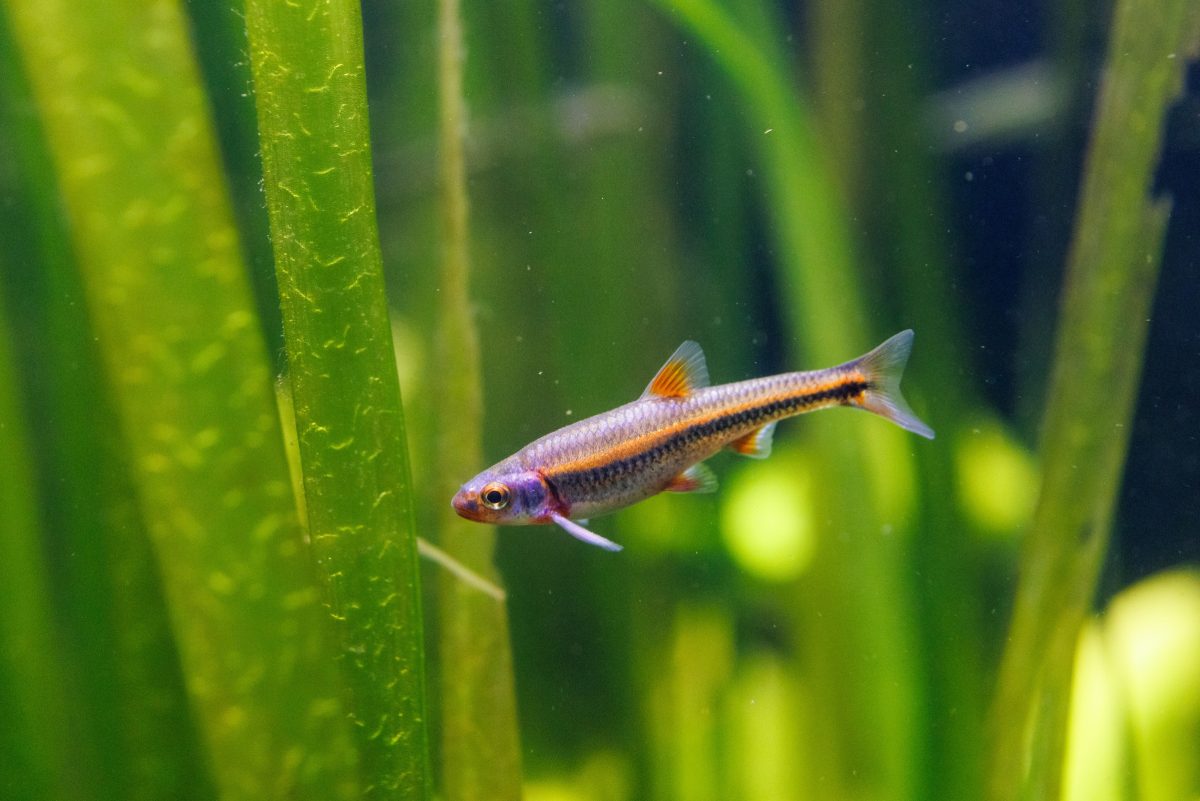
<point x="622" y="201"/>
<point x="788" y="188"/>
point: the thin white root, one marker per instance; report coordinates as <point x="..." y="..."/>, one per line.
<point x="458" y="569"/>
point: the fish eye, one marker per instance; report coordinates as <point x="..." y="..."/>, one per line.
<point x="495" y="495"/>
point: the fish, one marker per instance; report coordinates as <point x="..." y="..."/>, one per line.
<point x="660" y="441"/>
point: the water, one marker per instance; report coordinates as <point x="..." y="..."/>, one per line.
<point x="787" y="186"/>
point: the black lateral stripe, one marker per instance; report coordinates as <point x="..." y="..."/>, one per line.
<point x="607" y="472"/>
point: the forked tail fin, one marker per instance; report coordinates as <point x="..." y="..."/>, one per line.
<point x="882" y="368"/>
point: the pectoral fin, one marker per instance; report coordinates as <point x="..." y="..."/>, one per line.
<point x="756" y="444"/>
<point x="697" y="478"/>
<point x="580" y="533"/>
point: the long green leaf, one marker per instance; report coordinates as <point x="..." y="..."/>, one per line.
<point x="913" y="264"/>
<point x="310" y="91"/>
<point x="480" y="748"/>
<point x="807" y="210"/>
<point x="826" y="312"/>
<point x="116" y="86"/>
<point x="34" y="759"/>
<point x="1111" y="274"/>
<point x="132" y="733"/>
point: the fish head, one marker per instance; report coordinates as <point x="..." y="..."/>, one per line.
<point x="505" y="497"/>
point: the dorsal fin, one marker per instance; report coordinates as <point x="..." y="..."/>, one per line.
<point x="684" y="372"/>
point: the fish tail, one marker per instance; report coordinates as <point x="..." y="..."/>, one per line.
<point x="882" y="369"/>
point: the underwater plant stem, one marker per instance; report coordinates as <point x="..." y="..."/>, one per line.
<point x="310" y="93"/>
<point x="839" y="75"/>
<point x="132" y="733"/>
<point x="119" y="96"/>
<point x="33" y="742"/>
<point x="480" y="743"/>
<point x="807" y="209"/>
<point x="872" y="718"/>
<point x="915" y="265"/>
<point x="1111" y="274"/>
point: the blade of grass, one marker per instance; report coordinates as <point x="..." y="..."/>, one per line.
<point x="481" y="755"/>
<point x="34" y="759"/>
<point x="117" y="90"/>
<point x="806" y="207"/>
<point x="909" y="262"/>
<point x="307" y="62"/>
<point x="870" y="719"/>
<point x="219" y="33"/>
<point x="132" y="733"/>
<point x="839" y="76"/>
<point x="1111" y="274"/>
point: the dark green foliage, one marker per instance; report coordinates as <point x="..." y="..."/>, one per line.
<point x="182" y="618"/>
<point x="1112" y="271"/>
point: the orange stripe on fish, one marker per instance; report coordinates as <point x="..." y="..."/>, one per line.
<point x="658" y="442"/>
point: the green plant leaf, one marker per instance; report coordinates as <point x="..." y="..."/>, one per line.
<point x="310" y="93"/>
<point x="34" y="751"/>
<point x="480" y="748"/>
<point x="863" y="468"/>
<point x="116" y="87"/>
<point x="1112" y="270"/>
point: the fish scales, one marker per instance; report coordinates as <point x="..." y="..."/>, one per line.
<point x="632" y="452"/>
<point x="660" y="441"/>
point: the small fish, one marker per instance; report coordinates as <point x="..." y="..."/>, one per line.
<point x="658" y="442"/>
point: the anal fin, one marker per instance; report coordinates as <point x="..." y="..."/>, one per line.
<point x="697" y="478"/>
<point x="756" y="444"/>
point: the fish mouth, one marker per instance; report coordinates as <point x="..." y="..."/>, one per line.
<point x="466" y="505"/>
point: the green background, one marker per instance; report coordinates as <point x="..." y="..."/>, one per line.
<point x="207" y="510"/>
